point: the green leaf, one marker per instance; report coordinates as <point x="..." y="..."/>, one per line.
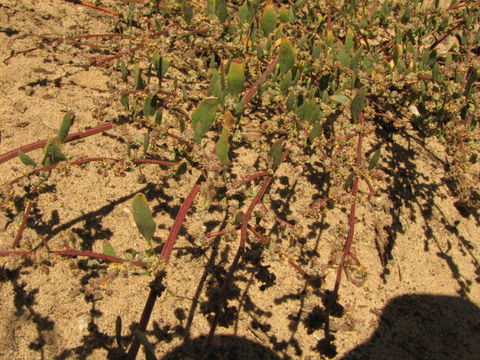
<point x="268" y="21"/>
<point x="160" y="64"/>
<point x="65" y="127"/>
<point x="212" y="64"/>
<point x="27" y="160"/>
<point x="358" y="103"/>
<point x="342" y="56"/>
<point x="374" y="159"/>
<point x="341" y="99"/>
<point x="238" y="219"/>
<point x="188" y="14"/>
<point x="317" y="48"/>
<point x="349" y="182"/>
<point x="448" y="60"/>
<point x="143" y="217"/>
<point x="53" y="153"/>
<point x="149" y="106"/>
<point x="235" y="77"/>
<point x="158" y="117"/>
<point x="349" y="41"/>
<point x="221" y="10"/>
<point x="286" y="82"/>
<point x="315" y="129"/>
<point x="137" y="79"/>
<point x="210" y="8"/>
<point x="125" y="102"/>
<point x="108" y="249"/>
<point x="215" y="88"/>
<point x="309" y="111"/>
<point x="283" y="15"/>
<point x="246" y="12"/>
<point x="182" y="169"/>
<point x="146" y="142"/>
<point x="357" y="56"/>
<point x="276" y="152"/>
<point x="291" y="15"/>
<point x="287" y="55"/>
<point x="291" y="102"/>
<point x="221" y="149"/>
<point x="368" y="64"/>
<point x="406" y="16"/>
<point x="240" y="106"/>
<point x="124" y="72"/>
<point x="203" y="116"/>
<point x="472" y="79"/>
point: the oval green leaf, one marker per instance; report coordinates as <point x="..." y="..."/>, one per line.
<point x="287" y="55"/>
<point x="268" y="22"/>
<point x="236" y="77"/>
<point x="27" y="160"/>
<point x="65" y="127"/>
<point x="221" y="149"/>
<point x="143" y="217"/>
<point x="203" y="116"/>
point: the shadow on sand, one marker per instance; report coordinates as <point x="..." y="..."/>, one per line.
<point x="424" y="327"/>
<point x="413" y="327"/>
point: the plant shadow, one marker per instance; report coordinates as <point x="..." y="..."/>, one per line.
<point x="223" y="347"/>
<point x="422" y="326"/>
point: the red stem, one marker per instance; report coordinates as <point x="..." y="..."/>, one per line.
<point x="352" y="218"/>
<point x="88" y="160"/>
<point x="92" y="6"/>
<point x="167" y="248"/>
<point x="444" y="36"/>
<point x="261" y="80"/>
<point x="248" y="214"/>
<point x="113" y="57"/>
<point x="221" y="232"/>
<point x="165" y="254"/>
<point x="241" y="247"/>
<point x="250" y="178"/>
<point x="259" y="235"/>
<point x="39" y="144"/>
<point x="73" y="252"/>
<point x="17" y="239"/>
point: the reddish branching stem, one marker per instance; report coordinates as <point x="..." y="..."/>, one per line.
<point x="26" y="213"/>
<point x="250" y="178"/>
<point x="282" y="222"/>
<point x="97" y="159"/>
<point x="261" y="80"/>
<point x="220" y="233"/>
<point x="93" y="6"/>
<point x="351" y="218"/>
<point x="39" y="144"/>
<point x="73" y="252"/>
<point x="248" y="214"/>
<point x="165" y="254"/>
<point x="182" y="213"/>
<point x="238" y="255"/>
<point x="117" y="56"/>
<point x="446" y="35"/>
<point x="264" y="239"/>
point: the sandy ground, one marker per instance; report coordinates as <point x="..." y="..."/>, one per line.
<point x="420" y="301"/>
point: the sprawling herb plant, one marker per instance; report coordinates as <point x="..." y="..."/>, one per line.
<point x="310" y="84"/>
